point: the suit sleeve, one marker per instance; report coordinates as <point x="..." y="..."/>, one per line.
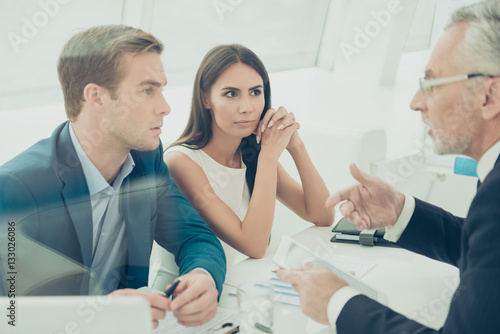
<point x="433" y="232"/>
<point x="182" y="231"/>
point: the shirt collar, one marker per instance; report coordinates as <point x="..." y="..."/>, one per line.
<point x="487" y="161"/>
<point x="95" y="180"/>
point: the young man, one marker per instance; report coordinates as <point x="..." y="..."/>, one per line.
<point x="98" y="191"/>
<point x="460" y="101"/>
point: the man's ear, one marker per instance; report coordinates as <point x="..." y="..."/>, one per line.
<point x="206" y="102"/>
<point x="491" y="102"/>
<point x="93" y="95"/>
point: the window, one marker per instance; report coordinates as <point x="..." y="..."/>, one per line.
<point x="285" y="34"/>
<point x="33" y="35"/>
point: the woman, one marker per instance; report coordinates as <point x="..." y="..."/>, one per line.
<point x="226" y="160"/>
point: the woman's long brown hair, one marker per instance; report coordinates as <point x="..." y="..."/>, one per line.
<point x="198" y="131"/>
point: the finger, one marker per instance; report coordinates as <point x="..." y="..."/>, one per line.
<point x="345" y="194"/>
<point x="356" y="219"/>
<point x="348" y="212"/>
<point x="292" y="276"/>
<point x="287" y="121"/>
<point x="158" y="301"/>
<point x="292" y="128"/>
<point x="262" y="128"/>
<point x="279" y="114"/>
<point x="360" y="176"/>
<point x="257" y="129"/>
<point x="182" y="296"/>
<point x="197" y="305"/>
<point x="258" y="132"/>
<point x="355" y="215"/>
<point x="283" y="274"/>
<point x="267" y="117"/>
<point x="200" y="318"/>
<point x="190" y="289"/>
<point x="339" y="196"/>
<point x="158" y="314"/>
<point x="331" y="201"/>
<point x="309" y="266"/>
<point x="347" y="208"/>
<point x="198" y="311"/>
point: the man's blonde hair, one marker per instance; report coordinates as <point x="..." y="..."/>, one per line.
<point x="94" y="56"/>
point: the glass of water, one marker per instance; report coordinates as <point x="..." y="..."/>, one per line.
<point x="255" y="307"/>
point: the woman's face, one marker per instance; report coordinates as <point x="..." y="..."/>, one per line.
<point x="237" y="100"/>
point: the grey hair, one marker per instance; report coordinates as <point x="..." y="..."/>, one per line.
<point x="481" y="47"/>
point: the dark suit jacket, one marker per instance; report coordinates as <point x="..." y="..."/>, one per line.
<point x="44" y="191"/>
<point x="471" y="244"/>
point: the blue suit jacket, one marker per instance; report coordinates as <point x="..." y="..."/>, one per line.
<point x="471" y="244"/>
<point x="44" y="191"/>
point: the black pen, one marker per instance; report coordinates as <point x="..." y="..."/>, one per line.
<point x="172" y="288"/>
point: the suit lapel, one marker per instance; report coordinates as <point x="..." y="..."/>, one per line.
<point x="75" y="193"/>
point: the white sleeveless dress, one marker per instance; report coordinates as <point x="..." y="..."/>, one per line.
<point x="230" y="185"/>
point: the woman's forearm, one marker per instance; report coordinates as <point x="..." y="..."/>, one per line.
<point x="257" y="224"/>
<point x="315" y="192"/>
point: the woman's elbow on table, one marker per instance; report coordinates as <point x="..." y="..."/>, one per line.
<point x="256" y="252"/>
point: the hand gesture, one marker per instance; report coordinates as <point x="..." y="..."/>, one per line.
<point x="370" y="204"/>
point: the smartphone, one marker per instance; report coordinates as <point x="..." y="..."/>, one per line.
<point x="291" y="254"/>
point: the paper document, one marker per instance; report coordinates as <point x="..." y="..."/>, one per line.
<point x="283" y="292"/>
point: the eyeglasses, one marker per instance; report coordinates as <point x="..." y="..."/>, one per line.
<point x="426" y="85"/>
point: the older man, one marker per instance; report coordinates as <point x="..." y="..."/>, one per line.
<point x="460" y="101"/>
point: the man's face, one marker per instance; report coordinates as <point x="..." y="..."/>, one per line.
<point x="135" y="118"/>
<point x="452" y="111"/>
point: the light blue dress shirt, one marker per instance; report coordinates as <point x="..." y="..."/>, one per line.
<point x="109" y="241"/>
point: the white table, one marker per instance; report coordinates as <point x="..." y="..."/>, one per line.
<point x="415" y="286"/>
